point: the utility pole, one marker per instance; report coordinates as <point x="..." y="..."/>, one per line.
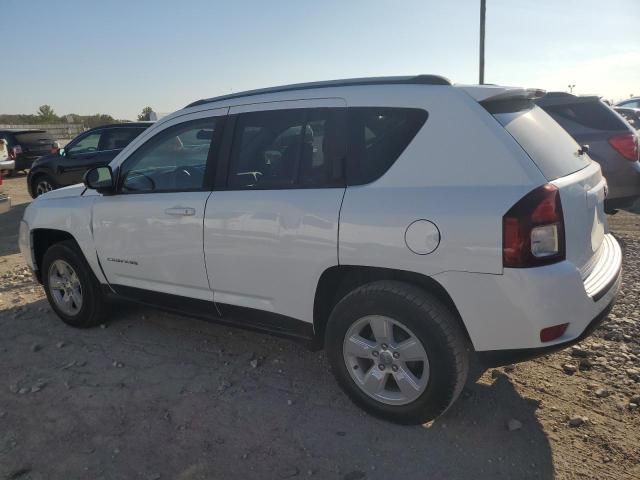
<point x="571" y="87"/>
<point x="483" y="11"/>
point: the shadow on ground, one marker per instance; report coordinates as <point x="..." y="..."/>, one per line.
<point x="156" y="395"/>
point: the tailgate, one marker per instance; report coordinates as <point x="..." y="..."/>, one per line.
<point x="579" y="180"/>
<point x="35" y="143"/>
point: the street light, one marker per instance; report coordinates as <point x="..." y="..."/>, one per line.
<point x="571" y="87"/>
<point x="483" y="12"/>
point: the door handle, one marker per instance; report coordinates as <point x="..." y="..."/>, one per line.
<point x="181" y="211"/>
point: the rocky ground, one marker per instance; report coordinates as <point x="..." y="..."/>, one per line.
<point x="159" y="396"/>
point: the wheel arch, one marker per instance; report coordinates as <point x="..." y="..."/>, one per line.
<point x="337" y="281"/>
<point x="42" y="239"/>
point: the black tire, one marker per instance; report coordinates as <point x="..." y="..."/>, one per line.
<point x="93" y="306"/>
<point x="430" y="321"/>
<point x="39" y="178"/>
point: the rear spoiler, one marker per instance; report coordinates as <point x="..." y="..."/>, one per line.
<point x="511" y="100"/>
<point x="494" y="93"/>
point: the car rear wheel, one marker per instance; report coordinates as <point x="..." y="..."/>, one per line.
<point x="71" y="288"/>
<point x="397" y="351"/>
<point x="42" y="184"/>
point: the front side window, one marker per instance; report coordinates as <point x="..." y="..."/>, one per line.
<point x="173" y="160"/>
<point x="377" y="137"/>
<point x="87" y="144"/>
<point x="279" y="149"/>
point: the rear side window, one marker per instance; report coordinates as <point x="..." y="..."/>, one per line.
<point x="118" y="138"/>
<point x="377" y="137"/>
<point x="552" y="149"/>
<point x="294" y="148"/>
<point x="594" y="115"/>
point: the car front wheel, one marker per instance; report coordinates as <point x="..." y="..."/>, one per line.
<point x="72" y="289"/>
<point x="397" y="351"/>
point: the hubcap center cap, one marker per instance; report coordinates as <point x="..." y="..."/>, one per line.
<point x="386" y="358"/>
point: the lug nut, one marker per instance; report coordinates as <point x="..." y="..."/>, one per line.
<point x="394" y="368"/>
<point x="396" y="355"/>
<point x="384" y="346"/>
<point x="374" y="353"/>
<point x="381" y="367"/>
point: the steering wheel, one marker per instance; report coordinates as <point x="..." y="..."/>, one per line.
<point x="138" y="174"/>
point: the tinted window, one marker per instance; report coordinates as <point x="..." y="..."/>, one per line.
<point x="118" y="138"/>
<point x="377" y="137"/>
<point x="173" y="160"/>
<point x="631" y="104"/>
<point x="34" y="138"/>
<point x="631" y="116"/>
<point x="547" y="143"/>
<point x="593" y="115"/>
<point x="88" y="143"/>
<point x="287" y="149"/>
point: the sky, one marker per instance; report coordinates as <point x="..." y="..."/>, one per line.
<point x="118" y="56"/>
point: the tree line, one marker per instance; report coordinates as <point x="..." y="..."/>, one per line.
<point x="46" y="115"/>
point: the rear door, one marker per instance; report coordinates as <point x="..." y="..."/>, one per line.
<point x="579" y="180"/>
<point x="273" y="230"/>
<point x="35" y="144"/>
<point x="79" y="155"/>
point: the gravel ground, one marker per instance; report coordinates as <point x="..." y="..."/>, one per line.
<point x="160" y="396"/>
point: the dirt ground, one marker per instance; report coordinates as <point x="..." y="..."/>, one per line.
<point x="160" y="396"/>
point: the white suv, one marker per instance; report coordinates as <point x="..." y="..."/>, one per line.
<point x="407" y="225"/>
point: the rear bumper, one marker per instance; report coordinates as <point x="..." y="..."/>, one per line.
<point x="507" y="312"/>
<point x="497" y="358"/>
<point x="7" y="165"/>
<point x="24" y="163"/>
<point x="5" y="203"/>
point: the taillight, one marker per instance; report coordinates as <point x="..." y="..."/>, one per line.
<point x="626" y="145"/>
<point x="15" y="151"/>
<point x="533" y="230"/>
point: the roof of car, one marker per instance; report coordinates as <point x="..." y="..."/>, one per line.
<point x="124" y="125"/>
<point x="22" y="130"/>
<point x="402" y="80"/>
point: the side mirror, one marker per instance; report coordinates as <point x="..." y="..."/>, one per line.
<point x="99" y="179"/>
<point x="61" y="152"/>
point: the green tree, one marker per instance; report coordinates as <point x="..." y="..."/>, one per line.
<point x="46" y="114"/>
<point x="146" y="114"/>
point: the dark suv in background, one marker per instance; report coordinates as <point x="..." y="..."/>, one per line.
<point x="611" y="141"/>
<point x="93" y="148"/>
<point x="27" y="146"/>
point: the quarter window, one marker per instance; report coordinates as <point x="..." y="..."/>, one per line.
<point x="377" y="137"/>
<point x="279" y="149"/>
<point x="173" y="160"/>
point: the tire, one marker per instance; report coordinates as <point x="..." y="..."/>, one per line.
<point x="45" y="182"/>
<point x="413" y="312"/>
<point x="86" y="293"/>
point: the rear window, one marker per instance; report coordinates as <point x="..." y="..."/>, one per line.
<point x="377" y="137"/>
<point x="34" y="138"/>
<point x="551" y="148"/>
<point x="594" y="115"/>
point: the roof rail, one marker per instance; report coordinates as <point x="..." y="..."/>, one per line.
<point x="401" y="80"/>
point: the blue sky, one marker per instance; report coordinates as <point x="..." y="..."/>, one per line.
<point x="117" y="56"/>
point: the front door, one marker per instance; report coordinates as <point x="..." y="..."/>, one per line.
<point x="79" y="156"/>
<point x="149" y="234"/>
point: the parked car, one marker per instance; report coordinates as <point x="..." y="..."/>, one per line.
<point x="611" y="141"/>
<point x="351" y="215"/>
<point x="633" y="102"/>
<point x="26" y="146"/>
<point x="5" y="199"/>
<point x="631" y="115"/>
<point x="93" y="148"/>
<point x="7" y="164"/>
